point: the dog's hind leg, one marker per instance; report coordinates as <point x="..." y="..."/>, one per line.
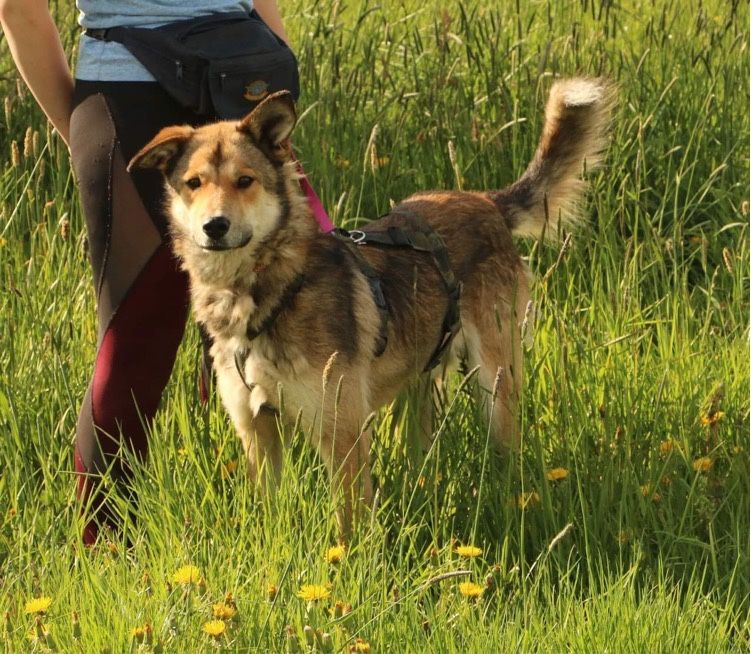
<point x="493" y="341"/>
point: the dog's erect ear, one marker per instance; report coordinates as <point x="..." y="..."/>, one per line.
<point x="272" y="121"/>
<point x="158" y="152"/>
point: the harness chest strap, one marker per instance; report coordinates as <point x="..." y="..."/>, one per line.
<point x="251" y="333"/>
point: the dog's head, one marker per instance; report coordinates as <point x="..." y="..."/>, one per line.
<point x="226" y="181"/>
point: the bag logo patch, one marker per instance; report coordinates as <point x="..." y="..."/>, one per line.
<point x="257" y="90"/>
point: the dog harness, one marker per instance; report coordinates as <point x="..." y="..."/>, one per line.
<point x="421" y="238"/>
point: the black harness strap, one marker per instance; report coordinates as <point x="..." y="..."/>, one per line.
<point x="424" y="239"/>
<point x="285" y="299"/>
<point x="376" y="290"/>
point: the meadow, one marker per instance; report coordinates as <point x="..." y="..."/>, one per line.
<point x="622" y="525"/>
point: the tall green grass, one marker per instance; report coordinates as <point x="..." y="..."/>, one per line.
<point x="642" y="331"/>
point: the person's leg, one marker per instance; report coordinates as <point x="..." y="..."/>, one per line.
<point x="142" y="296"/>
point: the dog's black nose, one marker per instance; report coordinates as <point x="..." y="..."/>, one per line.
<point x="216" y="227"/>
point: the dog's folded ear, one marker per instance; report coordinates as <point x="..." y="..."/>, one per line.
<point x="271" y="123"/>
<point x="162" y="149"/>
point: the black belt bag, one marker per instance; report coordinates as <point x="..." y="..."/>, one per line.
<point x="221" y="63"/>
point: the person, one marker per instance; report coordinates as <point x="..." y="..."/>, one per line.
<point x="105" y="114"/>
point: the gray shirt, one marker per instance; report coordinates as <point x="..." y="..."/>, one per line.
<point x="102" y="61"/>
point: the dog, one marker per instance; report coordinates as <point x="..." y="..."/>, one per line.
<point x="335" y="326"/>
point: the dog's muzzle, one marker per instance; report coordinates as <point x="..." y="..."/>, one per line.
<point x="216" y="230"/>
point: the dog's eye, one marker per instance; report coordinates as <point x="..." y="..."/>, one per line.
<point x="244" y="181"/>
<point x="193" y="183"/>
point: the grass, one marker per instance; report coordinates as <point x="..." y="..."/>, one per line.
<point x="642" y="332"/>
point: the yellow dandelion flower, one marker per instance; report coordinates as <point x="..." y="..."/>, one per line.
<point x="214" y="628"/>
<point x="468" y="551"/>
<point x="223" y="611"/>
<point x="187" y="574"/>
<point x="38" y="605"/>
<point x="12" y="512"/>
<point x="646" y="491"/>
<point x="336" y="554"/>
<point x="361" y="645"/>
<point x="666" y="446"/>
<point x="556" y="474"/>
<point x="313" y="592"/>
<point x="711" y="418"/>
<point x="737" y="449"/>
<point x="138" y="633"/>
<point x="271" y="592"/>
<point x="228" y="469"/>
<point x="527" y="500"/>
<point x="470" y="589"/>
<point x="702" y="464"/>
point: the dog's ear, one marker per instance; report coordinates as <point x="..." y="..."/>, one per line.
<point x="271" y="123"/>
<point x="162" y="149"/>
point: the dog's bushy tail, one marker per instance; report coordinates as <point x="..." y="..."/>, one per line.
<point x="577" y="117"/>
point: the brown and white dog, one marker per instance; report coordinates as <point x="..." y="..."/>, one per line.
<point x="291" y="312"/>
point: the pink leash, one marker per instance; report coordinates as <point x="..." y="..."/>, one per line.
<point x="322" y="218"/>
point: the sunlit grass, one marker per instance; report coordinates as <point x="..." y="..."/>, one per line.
<point x="636" y="386"/>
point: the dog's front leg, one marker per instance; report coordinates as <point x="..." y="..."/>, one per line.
<point x="263" y="448"/>
<point x="347" y="457"/>
<point x="258" y="430"/>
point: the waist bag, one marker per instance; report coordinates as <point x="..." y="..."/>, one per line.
<point x="222" y="63"/>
